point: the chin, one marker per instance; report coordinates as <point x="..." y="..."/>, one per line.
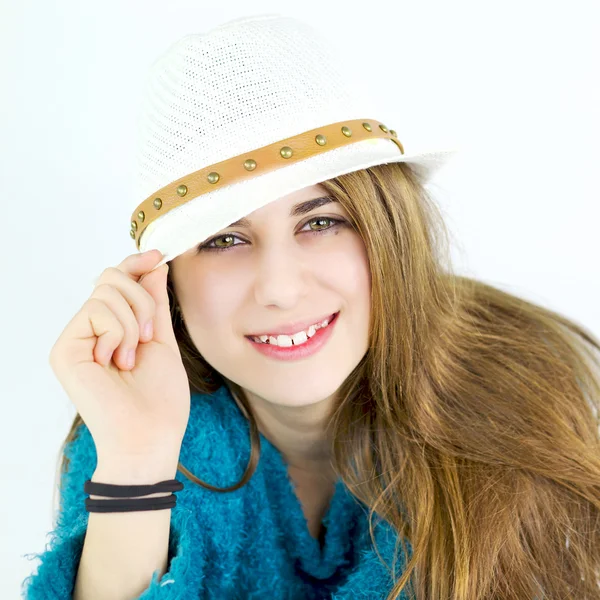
<point x="312" y="391"/>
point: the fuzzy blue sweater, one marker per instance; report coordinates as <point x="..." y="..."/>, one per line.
<point x="250" y="543"/>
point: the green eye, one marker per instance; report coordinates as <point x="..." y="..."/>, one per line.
<point x="212" y="245"/>
<point x="319" y="219"/>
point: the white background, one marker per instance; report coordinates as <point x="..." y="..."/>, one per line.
<point x="513" y="85"/>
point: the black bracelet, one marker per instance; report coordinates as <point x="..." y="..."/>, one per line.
<point x="130" y="491"/>
<point x="106" y="506"/>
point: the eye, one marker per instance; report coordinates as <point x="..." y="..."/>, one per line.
<point x="321" y="219"/>
<point x="208" y="245"/>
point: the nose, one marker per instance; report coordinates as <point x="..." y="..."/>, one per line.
<point x="281" y="276"/>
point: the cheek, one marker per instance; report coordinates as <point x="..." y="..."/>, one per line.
<point x="346" y="268"/>
<point x="210" y="300"/>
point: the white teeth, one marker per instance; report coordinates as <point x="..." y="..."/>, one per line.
<point x="300" y="338"/>
<point x="285" y="341"/>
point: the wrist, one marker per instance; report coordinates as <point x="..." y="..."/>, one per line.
<point x="128" y="473"/>
<point x="123" y="470"/>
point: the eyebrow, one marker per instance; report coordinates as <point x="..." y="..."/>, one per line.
<point x="299" y="209"/>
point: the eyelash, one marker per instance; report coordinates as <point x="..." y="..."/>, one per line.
<point x="205" y="246"/>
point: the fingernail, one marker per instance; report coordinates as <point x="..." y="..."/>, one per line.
<point x="148" y="329"/>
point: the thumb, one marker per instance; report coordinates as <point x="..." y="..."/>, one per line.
<point x="155" y="283"/>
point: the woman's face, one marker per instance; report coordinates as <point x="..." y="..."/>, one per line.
<point x="279" y="268"/>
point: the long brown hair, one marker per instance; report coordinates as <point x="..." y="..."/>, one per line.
<point x="471" y="425"/>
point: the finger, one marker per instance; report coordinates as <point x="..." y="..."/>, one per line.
<point x="135" y="265"/>
<point x="141" y="302"/>
<point x="140" y="262"/>
<point x="90" y="336"/>
<point x="130" y="329"/>
<point x="159" y="264"/>
<point x="106" y="328"/>
<point x="155" y="283"/>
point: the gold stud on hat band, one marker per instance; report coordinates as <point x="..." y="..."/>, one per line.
<point x="268" y="158"/>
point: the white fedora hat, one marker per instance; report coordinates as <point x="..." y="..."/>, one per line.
<point x="242" y="115"/>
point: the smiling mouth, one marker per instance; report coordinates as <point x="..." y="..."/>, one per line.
<point x="306" y="346"/>
<point x="316" y="325"/>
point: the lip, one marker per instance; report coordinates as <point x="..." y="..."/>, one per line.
<point x="291" y="328"/>
<point x="312" y="346"/>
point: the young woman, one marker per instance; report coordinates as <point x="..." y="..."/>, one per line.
<point x="344" y="415"/>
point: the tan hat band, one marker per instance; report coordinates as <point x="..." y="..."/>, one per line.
<point x="253" y="163"/>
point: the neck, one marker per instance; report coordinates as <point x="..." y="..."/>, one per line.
<point x="298" y="432"/>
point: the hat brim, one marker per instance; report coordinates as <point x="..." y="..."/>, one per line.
<point x="189" y="224"/>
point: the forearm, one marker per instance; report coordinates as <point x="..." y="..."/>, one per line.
<point x="123" y="549"/>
